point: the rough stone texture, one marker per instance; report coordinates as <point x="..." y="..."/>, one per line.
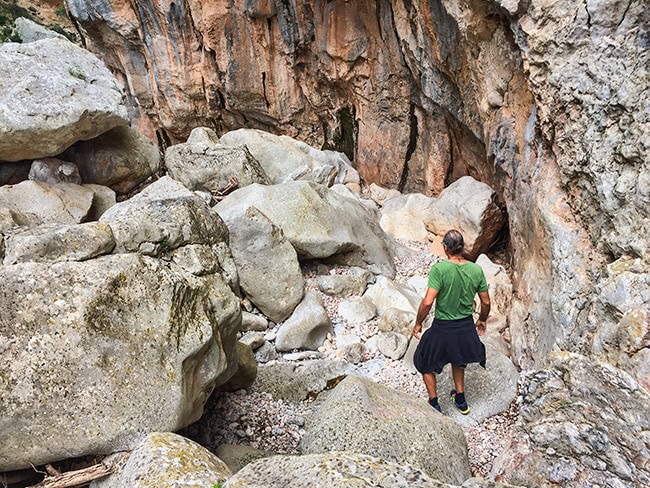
<point x="581" y="422"/>
<point x="357" y="311"/>
<point x="388" y="294"/>
<point x="364" y="417"/>
<point x="307" y="326"/>
<point x="246" y="370"/>
<point x="53" y="243"/>
<point x="112" y="348"/>
<point x="103" y="199"/>
<point x="202" y="163"/>
<point x="266" y="353"/>
<point x="66" y="94"/>
<point x="120" y="159"/>
<point x="30" y="31"/>
<point x="392" y="344"/>
<point x="267" y="264"/>
<point x="14" y="173"/>
<point x="320" y="223"/>
<point x="381" y="195"/>
<point x="334" y="470"/>
<point x="341" y="285"/>
<point x="167" y="459"/>
<point x="34" y="203"/>
<point x="623" y="338"/>
<point x="499" y="286"/>
<point x="488" y="391"/>
<point x="53" y="170"/>
<point x="403" y="216"/>
<point x="396" y="320"/>
<point x="469" y="206"/>
<point x="298" y="381"/>
<point x="284" y="158"/>
<point x="253" y="339"/>
<point x="237" y="456"/>
<point x="163" y="217"/>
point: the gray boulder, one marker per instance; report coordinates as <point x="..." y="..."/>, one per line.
<point x="269" y="272"/>
<point x="103" y="199"/>
<point x="471" y="207"/>
<point x="53" y="171"/>
<point x="381" y="195"/>
<point x="265" y="353"/>
<point x="307" y="327"/>
<point x="499" y="285"/>
<point x="488" y="391"/>
<point x="298" y="381"/>
<point x="202" y="163"/>
<point x="403" y="216"/>
<point x="320" y="223"/>
<point x="396" y="320"/>
<point x="245" y="372"/>
<point x="112" y="348"/>
<point x="30" y="31"/>
<point x="284" y="158"/>
<point x="333" y="470"/>
<point x="357" y="311"/>
<point x="250" y="321"/>
<point x="120" y="159"/>
<point x="33" y="203"/>
<point x="387" y="294"/>
<point x="66" y="94"/>
<point x="163" y="217"/>
<point x="56" y="242"/>
<point x="237" y="456"/>
<point x="580" y="419"/>
<point x="364" y="417"/>
<point x="341" y="285"/>
<point x="167" y="459"/>
<point x="392" y="344"/>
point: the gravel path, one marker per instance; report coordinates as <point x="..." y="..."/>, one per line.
<point x="255" y="419"/>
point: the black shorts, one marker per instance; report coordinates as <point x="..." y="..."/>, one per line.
<point x="449" y="341"/>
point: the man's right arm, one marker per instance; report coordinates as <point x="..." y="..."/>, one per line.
<point x="481" y="325"/>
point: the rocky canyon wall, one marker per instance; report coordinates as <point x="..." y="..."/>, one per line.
<point x="545" y="100"/>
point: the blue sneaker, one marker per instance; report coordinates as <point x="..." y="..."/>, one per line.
<point x="461" y="406"/>
<point x="435" y="405"/>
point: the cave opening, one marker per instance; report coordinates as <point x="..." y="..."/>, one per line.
<point x="345" y="134"/>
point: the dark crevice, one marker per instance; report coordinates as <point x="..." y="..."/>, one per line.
<point x="588" y="16"/>
<point x="450" y="166"/>
<point x="163" y="139"/>
<point x="266" y="99"/>
<point x="378" y="17"/>
<point x="627" y="9"/>
<point x="413" y="142"/>
<point x="345" y="136"/>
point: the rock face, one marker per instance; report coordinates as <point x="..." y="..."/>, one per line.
<point x="306" y="328"/>
<point x="166" y="459"/>
<point x="333" y="469"/>
<point x="202" y="163"/>
<point x="320" y="223"/>
<point x="364" y="417"/>
<point x="581" y="422"/>
<point x="66" y="95"/>
<point x="403" y="216"/>
<point x="267" y="264"/>
<point x="120" y="159"/>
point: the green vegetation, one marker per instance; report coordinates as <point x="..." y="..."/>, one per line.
<point x="9" y="12"/>
<point x="76" y="71"/>
<point x="216" y="485"/>
<point x="60" y="11"/>
<point x="60" y="30"/>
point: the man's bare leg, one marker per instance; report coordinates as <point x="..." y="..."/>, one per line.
<point x="430" y="383"/>
<point x="458" y="374"/>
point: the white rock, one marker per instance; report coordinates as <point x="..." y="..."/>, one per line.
<point x="387" y="294"/>
<point x="392" y="344"/>
<point x="403" y="216"/>
<point x="306" y="328"/>
<point x="381" y="195"/>
<point x="499" y="285"/>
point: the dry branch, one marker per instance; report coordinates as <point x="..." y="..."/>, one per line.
<point x="75" y="478"/>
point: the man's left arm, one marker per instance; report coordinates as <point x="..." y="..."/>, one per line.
<point x="423" y="310"/>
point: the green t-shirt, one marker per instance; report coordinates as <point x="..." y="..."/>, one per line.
<point x="457" y="285"/>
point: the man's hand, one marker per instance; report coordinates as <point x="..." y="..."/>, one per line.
<point x="481" y="327"/>
<point x="417" y="328"/>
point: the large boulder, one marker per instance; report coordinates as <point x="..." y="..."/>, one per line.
<point x="245" y="372"/>
<point x="236" y="456"/>
<point x="387" y="294"/>
<point x="307" y="327"/>
<point x="320" y="223"/>
<point x="166" y="459"/>
<point x="54" y="170"/>
<point x="202" y="163"/>
<point x="56" y="242"/>
<point x="120" y="159"/>
<point x="581" y="422"/>
<point x="332" y="469"/>
<point x="30" y="31"/>
<point x="267" y="264"/>
<point x="403" y="216"/>
<point x="106" y="350"/>
<point x="489" y="391"/>
<point x="364" y="417"/>
<point x="499" y="286"/>
<point x="299" y="381"/>
<point x="53" y="94"/>
<point x="284" y="158"/>
<point x="34" y="203"/>
<point x="471" y="207"/>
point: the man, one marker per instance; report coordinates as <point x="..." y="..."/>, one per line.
<point x="453" y="337"/>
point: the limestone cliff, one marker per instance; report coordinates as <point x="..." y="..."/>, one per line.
<point x="545" y="100"/>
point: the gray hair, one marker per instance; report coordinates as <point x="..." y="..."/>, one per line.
<point x="454" y="242"/>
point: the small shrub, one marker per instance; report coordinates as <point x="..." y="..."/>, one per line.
<point x="76" y="71"/>
<point x="60" y="11"/>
